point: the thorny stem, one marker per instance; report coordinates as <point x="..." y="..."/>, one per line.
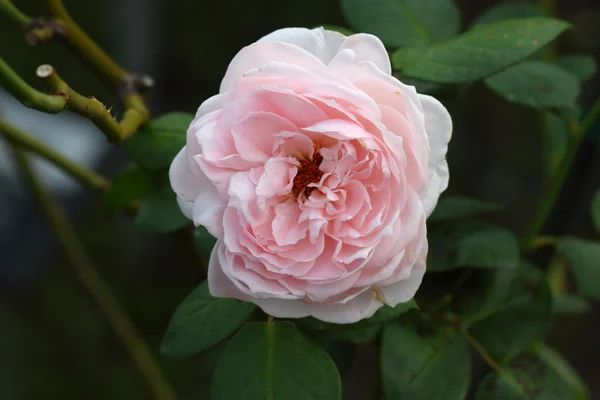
<point x="124" y="83"/>
<point x="89" y="277"/>
<point x="85" y="48"/>
<point x="92" y="109"/>
<point x="27" y="95"/>
<point x="87" y="177"/>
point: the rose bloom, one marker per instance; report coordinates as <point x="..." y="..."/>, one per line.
<point x="315" y="169"/>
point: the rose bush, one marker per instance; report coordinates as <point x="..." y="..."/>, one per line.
<point x="315" y="169"/>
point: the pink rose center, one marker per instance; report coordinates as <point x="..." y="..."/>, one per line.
<point x="308" y="173"/>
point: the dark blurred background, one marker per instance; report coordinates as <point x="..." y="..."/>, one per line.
<point x="54" y="343"/>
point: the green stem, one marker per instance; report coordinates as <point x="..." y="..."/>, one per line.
<point x="27" y="95"/>
<point x="577" y="133"/>
<point x="482" y="351"/>
<point x="89" y="277"/>
<point x="91" y="108"/>
<point x="85" y="48"/>
<point x="590" y="118"/>
<point x="124" y="83"/>
<point x="87" y="177"/>
<point x="494" y="365"/>
<point x="543" y="241"/>
<point x="14" y="13"/>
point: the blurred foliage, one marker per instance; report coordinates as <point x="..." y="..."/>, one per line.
<point x="67" y="351"/>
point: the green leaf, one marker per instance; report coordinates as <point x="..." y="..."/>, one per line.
<point x="509" y="11"/>
<point x="156" y="144"/>
<point x="584" y="258"/>
<point x="559" y="365"/>
<point x="159" y="212"/>
<point x="202" y="321"/>
<point x="424" y="367"/>
<point x="569" y="304"/>
<point x="539" y="373"/>
<point x="204" y="242"/>
<point x="364" y="331"/>
<point x="487" y="247"/>
<point x="131" y="185"/>
<point x="340" y="29"/>
<point x="507" y="311"/>
<point x="596" y="210"/>
<point x="457" y="207"/>
<point x="274" y="361"/>
<point x="480" y="52"/>
<point x="536" y="84"/>
<point x="472" y="245"/>
<point x="583" y="66"/>
<point x="404" y="22"/>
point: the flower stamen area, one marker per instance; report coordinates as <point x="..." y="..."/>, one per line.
<point x="308" y="173"/>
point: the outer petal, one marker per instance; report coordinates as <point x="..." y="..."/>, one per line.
<point x="325" y="44"/>
<point x="368" y="48"/>
<point x="208" y="211"/>
<point x="258" y="54"/>
<point x="219" y="285"/>
<point x="438" y="125"/>
<point x="360" y="307"/>
<point x="184" y="183"/>
<point x="319" y="42"/>
<point x="404" y="290"/>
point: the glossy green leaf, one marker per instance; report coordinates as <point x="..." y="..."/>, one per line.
<point x="202" y="321"/>
<point x="432" y="367"/>
<point x="583" y="257"/>
<point x="404" y="22"/>
<point x="480" y="52"/>
<point x="274" y="361"/>
<point x="583" y="66"/>
<point x="156" y="144"/>
<point x="131" y="185"/>
<point x="536" y="84"/>
<point x="472" y="245"/>
<point x="538" y="374"/>
<point x="159" y="212"/>
<point x="457" y="207"/>
<point x="596" y="210"/>
<point x="507" y="310"/>
<point x="509" y="11"/>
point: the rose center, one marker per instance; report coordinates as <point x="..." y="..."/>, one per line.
<point x="308" y="173"/>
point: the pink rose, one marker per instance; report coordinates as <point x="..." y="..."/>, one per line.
<point x="315" y="169"/>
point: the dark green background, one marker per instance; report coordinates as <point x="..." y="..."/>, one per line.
<point x="54" y="344"/>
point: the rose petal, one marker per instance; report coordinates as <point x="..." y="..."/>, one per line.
<point x="368" y="48"/>
<point x="438" y="124"/>
<point x="258" y="54"/>
<point x="253" y="135"/>
<point x="319" y="42"/>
